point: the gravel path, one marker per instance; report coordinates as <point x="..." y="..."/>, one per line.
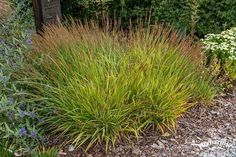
<point x="202" y="132"/>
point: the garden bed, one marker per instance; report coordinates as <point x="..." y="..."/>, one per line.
<point x="88" y="89"/>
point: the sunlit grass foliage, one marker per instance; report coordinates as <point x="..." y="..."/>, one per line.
<point x="102" y="84"/>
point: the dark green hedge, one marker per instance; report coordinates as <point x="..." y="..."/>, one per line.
<point x="196" y="16"/>
<point x="216" y="15"/>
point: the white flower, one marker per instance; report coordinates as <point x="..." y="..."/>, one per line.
<point x="223" y="43"/>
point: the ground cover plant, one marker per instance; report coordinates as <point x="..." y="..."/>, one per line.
<point x="102" y="84"/>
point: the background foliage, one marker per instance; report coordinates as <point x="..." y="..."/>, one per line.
<point x="191" y="16"/>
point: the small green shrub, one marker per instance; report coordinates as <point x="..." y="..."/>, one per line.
<point x="100" y="85"/>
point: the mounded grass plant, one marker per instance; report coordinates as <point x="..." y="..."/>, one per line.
<point x="102" y="84"/>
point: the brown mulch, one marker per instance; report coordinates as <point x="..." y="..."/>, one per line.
<point x="202" y="132"/>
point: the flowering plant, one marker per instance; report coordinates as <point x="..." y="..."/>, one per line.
<point x="19" y="119"/>
<point x="19" y="124"/>
<point x="222" y="47"/>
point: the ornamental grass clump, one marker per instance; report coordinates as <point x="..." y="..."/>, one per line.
<point x="102" y="84"/>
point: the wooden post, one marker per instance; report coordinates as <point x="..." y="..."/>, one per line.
<point x="38" y="15"/>
<point x="46" y="12"/>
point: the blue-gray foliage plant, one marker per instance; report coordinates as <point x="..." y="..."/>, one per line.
<point x="19" y="122"/>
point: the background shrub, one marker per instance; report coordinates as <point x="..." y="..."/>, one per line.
<point x="199" y="17"/>
<point x="101" y="84"/>
<point x="215" y="16"/>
